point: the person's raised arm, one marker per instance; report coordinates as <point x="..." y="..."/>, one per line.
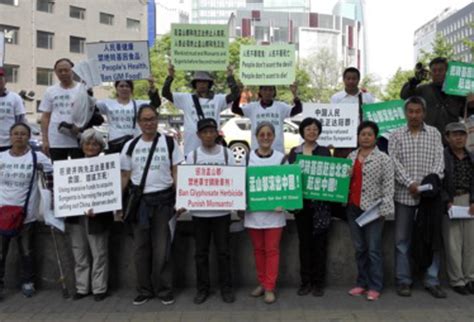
<point x="166" y="91"/>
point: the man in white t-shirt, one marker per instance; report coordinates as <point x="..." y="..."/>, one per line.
<point x="351" y="95"/>
<point x="211" y="224"/>
<point x="211" y="105"/>
<point x="12" y="111"/>
<point x="60" y="142"/>
<point x="267" y="109"/>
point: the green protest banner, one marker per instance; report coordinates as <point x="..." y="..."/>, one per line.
<point x="267" y="65"/>
<point x="459" y="79"/>
<point x="274" y="186"/>
<point x="325" y="178"/>
<point x="388" y="115"/>
<point x="199" y="47"/>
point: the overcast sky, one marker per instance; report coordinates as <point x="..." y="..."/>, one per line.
<point x="391" y="24"/>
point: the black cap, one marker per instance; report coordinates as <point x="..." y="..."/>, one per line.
<point x="205" y="123"/>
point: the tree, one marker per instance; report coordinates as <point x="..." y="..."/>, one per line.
<point x="372" y="84"/>
<point x="395" y="84"/>
<point x="441" y="48"/>
<point x="325" y="73"/>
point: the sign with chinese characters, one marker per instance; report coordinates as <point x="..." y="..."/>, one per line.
<point x="459" y="79"/>
<point x="325" y="178"/>
<point x="210" y="187"/>
<point x="119" y="60"/>
<point x="274" y="186"/>
<point x="388" y="115"/>
<point x="2" y="48"/>
<point x="89" y="183"/>
<point x="199" y="47"/>
<point x="267" y="65"/>
<point x="339" y="123"/>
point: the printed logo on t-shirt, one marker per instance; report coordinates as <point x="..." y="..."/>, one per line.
<point x="15" y="175"/>
<point x="122" y="118"/>
<point x="6" y="109"/>
<point x="160" y="157"/>
<point x="63" y="104"/>
<point x="271" y="117"/>
<point x="208" y="110"/>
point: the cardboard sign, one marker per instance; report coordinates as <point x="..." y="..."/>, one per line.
<point x="89" y="183"/>
<point x="120" y="60"/>
<point x="267" y="65"/>
<point x="210" y="187"/>
<point x="339" y="123"/>
<point x="459" y="79"/>
<point x="199" y="47"/>
<point x="389" y="115"/>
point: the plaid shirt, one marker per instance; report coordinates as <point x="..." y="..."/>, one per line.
<point x="414" y="157"/>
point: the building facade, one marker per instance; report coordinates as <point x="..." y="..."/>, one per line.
<point x="38" y="32"/>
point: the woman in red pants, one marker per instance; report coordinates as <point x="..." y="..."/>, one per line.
<point x="265" y="228"/>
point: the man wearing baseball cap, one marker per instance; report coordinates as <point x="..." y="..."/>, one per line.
<point x="12" y="111"/>
<point x="203" y="103"/>
<point x="458" y="234"/>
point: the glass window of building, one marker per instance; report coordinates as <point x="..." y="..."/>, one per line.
<point x="44" y="76"/>
<point x="11" y="34"/>
<point x="133" y="24"/>
<point x="45" y="5"/>
<point x="11" y="73"/>
<point x="44" y="39"/>
<point x="9" y="2"/>
<point x="77" y="13"/>
<point x="76" y="44"/>
<point x="106" y="18"/>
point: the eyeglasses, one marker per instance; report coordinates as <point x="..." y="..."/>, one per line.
<point x="148" y="120"/>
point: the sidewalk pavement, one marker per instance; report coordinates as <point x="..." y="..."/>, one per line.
<point x="335" y="306"/>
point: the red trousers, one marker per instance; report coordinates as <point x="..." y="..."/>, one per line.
<point x="266" y="249"/>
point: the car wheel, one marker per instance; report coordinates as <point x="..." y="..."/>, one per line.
<point x="240" y="150"/>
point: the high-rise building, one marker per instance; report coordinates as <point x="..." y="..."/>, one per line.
<point x="168" y="13"/>
<point x="38" y="32"/>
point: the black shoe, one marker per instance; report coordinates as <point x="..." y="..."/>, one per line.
<point x="167" y="299"/>
<point x="318" y="291"/>
<point x="436" y="291"/>
<point x="142" y="299"/>
<point x="404" y="290"/>
<point x="201" y="297"/>
<point x="461" y="290"/>
<point x="470" y="287"/>
<point x="79" y="296"/>
<point x="228" y="296"/>
<point x="100" y="297"/>
<point x="304" y="289"/>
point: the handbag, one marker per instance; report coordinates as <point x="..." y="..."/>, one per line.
<point x="12" y="217"/>
<point x="135" y="193"/>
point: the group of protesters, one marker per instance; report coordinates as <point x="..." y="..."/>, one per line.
<point x="429" y="150"/>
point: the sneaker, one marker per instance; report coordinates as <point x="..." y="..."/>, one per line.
<point x="318" y="291"/>
<point x="100" y="297"/>
<point x="201" y="297"/>
<point x="373" y="295"/>
<point x="470" y="287"/>
<point x="167" y="299"/>
<point x="258" y="291"/>
<point x="141" y="299"/>
<point x="404" y="290"/>
<point x="269" y="297"/>
<point x="357" y="291"/>
<point x="28" y="289"/>
<point x="461" y="290"/>
<point x="436" y="291"/>
<point x="228" y="297"/>
<point x="304" y="289"/>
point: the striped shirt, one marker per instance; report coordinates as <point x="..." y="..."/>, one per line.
<point x="414" y="157"/>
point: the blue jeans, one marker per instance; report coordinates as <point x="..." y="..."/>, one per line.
<point x="367" y="242"/>
<point x="404" y="219"/>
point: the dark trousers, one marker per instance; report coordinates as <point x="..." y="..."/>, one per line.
<point x="25" y="241"/>
<point x="152" y="250"/>
<point x="218" y="229"/>
<point x="58" y="154"/>
<point x="312" y="250"/>
<point x="367" y="242"/>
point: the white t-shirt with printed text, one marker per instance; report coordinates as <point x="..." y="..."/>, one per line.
<point x="15" y="177"/>
<point x="159" y="176"/>
<point x="265" y="219"/>
<point x="120" y="117"/>
<point x="275" y="114"/>
<point x="211" y="108"/>
<point x="343" y="97"/>
<point x="210" y="159"/>
<point x="58" y="101"/>
<point x="11" y="106"/>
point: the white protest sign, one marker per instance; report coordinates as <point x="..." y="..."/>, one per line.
<point x="2" y="48"/>
<point x="88" y="72"/>
<point x="211" y="187"/>
<point x="89" y="183"/>
<point x="119" y="60"/>
<point x="339" y="123"/>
